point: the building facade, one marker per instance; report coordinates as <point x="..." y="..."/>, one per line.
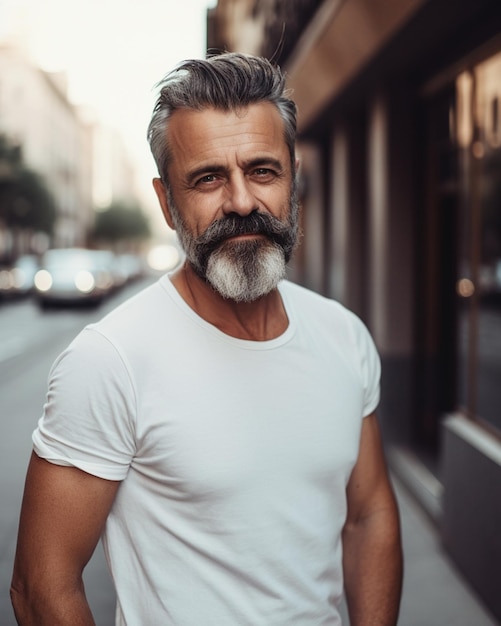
<point x="35" y="114"/>
<point x="113" y="174"/>
<point x="83" y="162"/>
<point x="400" y="144"/>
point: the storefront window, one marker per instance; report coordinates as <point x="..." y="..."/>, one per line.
<point x="478" y="134"/>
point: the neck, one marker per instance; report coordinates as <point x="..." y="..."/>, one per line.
<point x="260" y="320"/>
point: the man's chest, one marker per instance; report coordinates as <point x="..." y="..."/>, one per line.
<point x="231" y="424"/>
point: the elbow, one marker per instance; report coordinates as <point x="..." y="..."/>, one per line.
<point x="20" y="602"/>
<point x="40" y="601"/>
<point x="30" y="600"/>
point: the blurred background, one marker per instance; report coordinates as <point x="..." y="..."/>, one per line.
<point x="400" y="147"/>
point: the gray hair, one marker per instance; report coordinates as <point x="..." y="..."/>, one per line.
<point x="226" y="82"/>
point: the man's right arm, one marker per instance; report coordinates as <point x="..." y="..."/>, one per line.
<point x="62" y="517"/>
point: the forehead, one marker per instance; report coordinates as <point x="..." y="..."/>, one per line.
<point x="213" y="134"/>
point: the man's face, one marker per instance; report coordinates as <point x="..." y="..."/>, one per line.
<point x="232" y="197"/>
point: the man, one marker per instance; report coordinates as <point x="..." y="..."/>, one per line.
<point x="218" y="429"/>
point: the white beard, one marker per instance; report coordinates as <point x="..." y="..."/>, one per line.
<point x="247" y="270"/>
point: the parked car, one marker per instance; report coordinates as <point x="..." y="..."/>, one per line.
<point x="24" y="270"/>
<point x="73" y="275"/>
<point x="17" y="279"/>
<point x="6" y="282"/>
<point x="129" y="266"/>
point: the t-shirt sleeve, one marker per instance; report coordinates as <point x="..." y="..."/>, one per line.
<point x="369" y="364"/>
<point x="89" y="415"/>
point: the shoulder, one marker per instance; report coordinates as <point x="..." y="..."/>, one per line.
<point x="304" y="297"/>
<point x="319" y="308"/>
<point x="324" y="319"/>
<point x="335" y="330"/>
<point x="104" y="345"/>
<point x="135" y="311"/>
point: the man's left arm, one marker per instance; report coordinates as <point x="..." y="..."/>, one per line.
<point x="372" y="550"/>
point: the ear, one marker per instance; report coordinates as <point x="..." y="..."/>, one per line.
<point x="161" y="192"/>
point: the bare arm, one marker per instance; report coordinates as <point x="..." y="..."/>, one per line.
<point x="62" y="517"/>
<point x="371" y="538"/>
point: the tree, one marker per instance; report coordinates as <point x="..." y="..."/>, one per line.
<point x="25" y="201"/>
<point x="121" y="222"/>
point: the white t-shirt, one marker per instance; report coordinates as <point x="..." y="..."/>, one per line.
<point x="233" y="455"/>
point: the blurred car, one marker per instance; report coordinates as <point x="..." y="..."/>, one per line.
<point x="72" y="276"/>
<point x="164" y="258"/>
<point x="6" y="282"/>
<point x="106" y="262"/>
<point x="18" y="279"/>
<point x="129" y="267"/>
<point x="23" y="271"/>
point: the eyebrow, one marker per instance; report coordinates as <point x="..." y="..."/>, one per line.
<point x="192" y="175"/>
<point x="256" y="162"/>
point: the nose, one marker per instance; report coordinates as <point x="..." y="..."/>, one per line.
<point x="240" y="198"/>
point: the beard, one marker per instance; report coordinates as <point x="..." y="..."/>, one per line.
<point x="242" y="270"/>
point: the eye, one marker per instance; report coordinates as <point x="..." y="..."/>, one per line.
<point x="264" y="173"/>
<point x="207" y="179"/>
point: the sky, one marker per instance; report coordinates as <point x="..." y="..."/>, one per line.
<point x="113" y="52"/>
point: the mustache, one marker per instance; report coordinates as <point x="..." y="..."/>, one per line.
<point x="234" y="225"/>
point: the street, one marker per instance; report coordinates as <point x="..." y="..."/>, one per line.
<point x="29" y="342"/>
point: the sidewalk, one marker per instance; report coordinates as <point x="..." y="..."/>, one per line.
<point x="434" y="592"/>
